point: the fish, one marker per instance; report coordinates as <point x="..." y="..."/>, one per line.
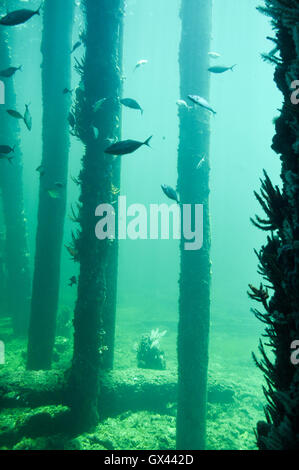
<point x="40" y="169"/>
<point x="96" y="132"/>
<point x="7" y="73"/>
<point x="201" y="102"/>
<point x="28" y="118"/>
<point x="201" y="162"/>
<point x="14" y="114"/>
<point x="59" y="185"/>
<point x="98" y="104"/>
<point x="76" y="46"/>
<point x="182" y="104"/>
<point x="17" y="17"/>
<point x="126" y="146"/>
<point x="54" y="193"/>
<point x="75" y="180"/>
<point x="6" y="149"/>
<point x="66" y="91"/>
<point x="72" y="252"/>
<point x="73" y="281"/>
<point x="6" y="157"/>
<point x="130" y="103"/>
<point x="221" y="68"/>
<point x="170" y="193"/>
<point x="214" y="55"/>
<point x="140" y="63"/>
<point x="111" y="140"/>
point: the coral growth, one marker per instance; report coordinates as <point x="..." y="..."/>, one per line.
<point x="149" y="354"/>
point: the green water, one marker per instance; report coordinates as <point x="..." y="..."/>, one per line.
<point x="241" y="133"/>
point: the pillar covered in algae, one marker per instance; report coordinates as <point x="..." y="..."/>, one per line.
<point x="193" y="188"/>
<point x="13" y="232"/>
<point x="56" y="76"/>
<point x="109" y="314"/>
<point x="97" y="107"/>
<point x="279" y="258"/>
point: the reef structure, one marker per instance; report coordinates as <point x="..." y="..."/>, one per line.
<point x="279" y="257"/>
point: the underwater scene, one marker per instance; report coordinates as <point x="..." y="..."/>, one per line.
<point x="149" y="226"/>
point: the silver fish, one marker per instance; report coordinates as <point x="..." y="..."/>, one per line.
<point x="98" y="104"/>
<point x="214" y="55"/>
<point x="140" y="63"/>
<point x="28" y="118"/>
<point x="54" y="193"/>
<point x="14" y="114"/>
<point x="170" y="193"/>
<point x="96" y="132"/>
<point x="221" y="68"/>
<point x="17" y="17"/>
<point x="76" y="46"/>
<point x="201" y="162"/>
<point x="7" y="73"/>
<point x="130" y="103"/>
<point x="201" y="102"/>
<point x="6" y="149"/>
<point x="182" y="104"/>
<point x="126" y="146"/>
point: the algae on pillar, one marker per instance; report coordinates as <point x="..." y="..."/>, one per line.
<point x="56" y="76"/>
<point x="18" y="283"/>
<point x="193" y="187"/>
<point x="100" y="80"/>
<point x="109" y="314"/>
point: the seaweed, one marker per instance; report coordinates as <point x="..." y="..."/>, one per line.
<point x="278" y="258"/>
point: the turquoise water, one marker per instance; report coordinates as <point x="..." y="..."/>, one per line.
<point x="241" y="133"/>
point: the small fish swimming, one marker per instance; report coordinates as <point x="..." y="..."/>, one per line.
<point x="67" y="91"/>
<point x="126" y="146"/>
<point x="214" y="55"/>
<point x="96" y="132"/>
<point x="182" y="104"/>
<point x="98" y="104"/>
<point x="201" y="102"/>
<point x="17" y="17"/>
<point x="6" y="149"/>
<point x="201" y="162"/>
<point x="140" y="63"/>
<point x="28" y="118"/>
<point x="54" y="193"/>
<point x="111" y="140"/>
<point x="40" y="169"/>
<point x="59" y="185"/>
<point x="73" y="281"/>
<point x="6" y="157"/>
<point x="221" y="68"/>
<point x="14" y="114"/>
<point x="76" y="46"/>
<point x="7" y="73"/>
<point x="170" y="193"/>
<point x="130" y="103"/>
